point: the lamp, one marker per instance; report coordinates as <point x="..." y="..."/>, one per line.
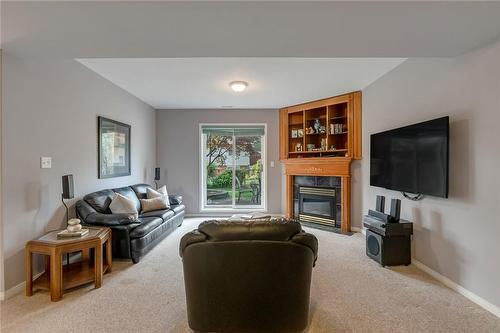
<point x="238" y="86"/>
<point x="157" y="176"/>
<point x="67" y="193"/>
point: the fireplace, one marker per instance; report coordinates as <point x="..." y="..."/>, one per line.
<point x="318" y="200"/>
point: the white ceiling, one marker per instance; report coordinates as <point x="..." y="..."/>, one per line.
<point x="173" y="83"/>
<point x="309" y="29"/>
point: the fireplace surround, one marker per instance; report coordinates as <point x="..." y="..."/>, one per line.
<point x="317" y="200"/>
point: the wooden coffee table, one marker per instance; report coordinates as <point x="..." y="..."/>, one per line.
<point x="57" y="277"/>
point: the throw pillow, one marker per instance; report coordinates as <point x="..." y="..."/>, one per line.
<point x="150" y="193"/>
<point x="159" y="193"/>
<point x="120" y="204"/>
<point x="154" y="203"/>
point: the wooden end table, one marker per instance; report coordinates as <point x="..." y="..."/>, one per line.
<point x="57" y="277"/>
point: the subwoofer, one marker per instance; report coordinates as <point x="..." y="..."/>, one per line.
<point x="374" y="246"/>
<point x="388" y="250"/>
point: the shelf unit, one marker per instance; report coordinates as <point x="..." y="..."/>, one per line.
<point x="339" y="148"/>
<point x="338" y="135"/>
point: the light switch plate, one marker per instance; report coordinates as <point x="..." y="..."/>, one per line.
<point x="272" y="164"/>
<point x="45" y="162"/>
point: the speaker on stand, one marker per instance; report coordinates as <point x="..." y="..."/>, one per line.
<point x="157" y="176"/>
<point x="67" y="191"/>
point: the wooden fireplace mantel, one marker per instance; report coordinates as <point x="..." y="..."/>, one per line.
<point x="320" y="166"/>
<point x="334" y="161"/>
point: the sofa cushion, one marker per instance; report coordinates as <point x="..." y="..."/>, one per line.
<point x="165" y="214"/>
<point x="222" y="230"/>
<point x="159" y="203"/>
<point x="152" y="193"/>
<point x="123" y="205"/>
<point x="129" y="193"/>
<point x="100" y="200"/>
<point x="178" y="208"/>
<point x="147" y="225"/>
<point x="140" y="190"/>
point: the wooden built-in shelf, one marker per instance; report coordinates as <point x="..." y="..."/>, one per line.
<point x="344" y="110"/>
<point x="319" y="151"/>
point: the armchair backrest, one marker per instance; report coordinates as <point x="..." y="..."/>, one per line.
<point x="258" y="274"/>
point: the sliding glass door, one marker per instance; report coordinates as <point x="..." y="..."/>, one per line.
<point x="232" y="164"/>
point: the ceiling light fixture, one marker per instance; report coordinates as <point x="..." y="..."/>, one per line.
<point x="238" y="86"/>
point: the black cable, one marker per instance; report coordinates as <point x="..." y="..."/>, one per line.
<point x="417" y="197"/>
<point x="67" y="218"/>
<point x="67" y="209"/>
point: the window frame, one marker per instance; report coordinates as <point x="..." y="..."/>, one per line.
<point x="202" y="173"/>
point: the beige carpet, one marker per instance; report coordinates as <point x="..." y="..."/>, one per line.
<point x="350" y="293"/>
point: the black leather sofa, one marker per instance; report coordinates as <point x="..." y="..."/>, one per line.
<point x="248" y="276"/>
<point x="132" y="237"/>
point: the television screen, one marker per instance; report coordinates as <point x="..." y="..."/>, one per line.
<point x="412" y="159"/>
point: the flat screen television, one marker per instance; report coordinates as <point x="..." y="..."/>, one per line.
<point x="412" y="159"/>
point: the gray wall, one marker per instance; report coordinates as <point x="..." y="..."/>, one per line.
<point x="50" y="109"/>
<point x="178" y="150"/>
<point x="459" y="236"/>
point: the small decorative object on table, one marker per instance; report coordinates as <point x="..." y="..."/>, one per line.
<point x="74" y="229"/>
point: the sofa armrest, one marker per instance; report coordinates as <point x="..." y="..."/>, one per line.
<point x="89" y="215"/>
<point x="175" y="199"/>
<point x="190" y="238"/>
<point x="308" y="240"/>
<point x="110" y="219"/>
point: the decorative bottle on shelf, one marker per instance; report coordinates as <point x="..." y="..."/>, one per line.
<point x="323" y="144"/>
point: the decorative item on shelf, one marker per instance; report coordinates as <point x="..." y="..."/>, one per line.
<point x="338" y="128"/>
<point x="332" y="147"/>
<point x="157" y="176"/>
<point x="294" y="133"/>
<point x="298" y="147"/>
<point x="317" y="126"/>
<point x="300" y="133"/>
<point x="309" y="130"/>
<point x="311" y="146"/>
<point x="323" y="144"/>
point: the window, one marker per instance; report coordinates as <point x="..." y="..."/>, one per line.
<point x="233" y="167"/>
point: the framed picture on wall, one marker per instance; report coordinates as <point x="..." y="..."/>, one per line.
<point x="113" y="148"/>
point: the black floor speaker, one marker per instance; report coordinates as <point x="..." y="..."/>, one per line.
<point x="388" y="251"/>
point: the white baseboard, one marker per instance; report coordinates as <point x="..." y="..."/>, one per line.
<point x="5" y="295"/>
<point x="458" y="288"/>
<point x="222" y="215"/>
<point x="358" y="229"/>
